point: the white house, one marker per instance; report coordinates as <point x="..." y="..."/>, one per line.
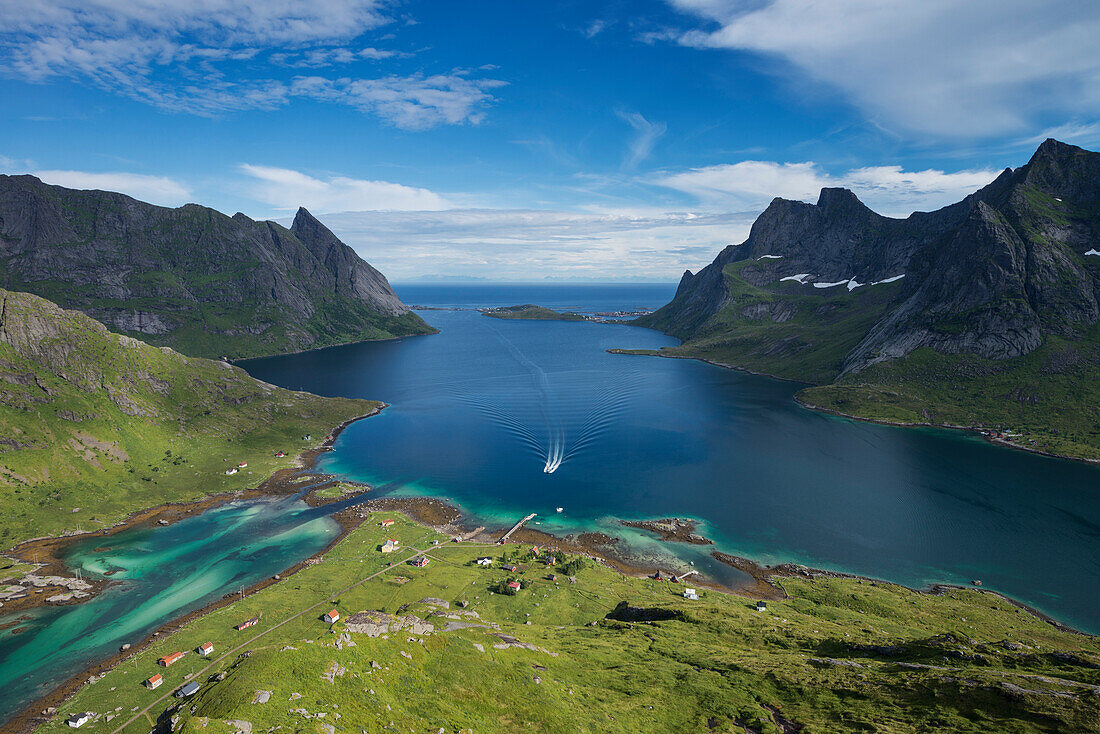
<point x="485" y="561"/>
<point x="390" y="546"/>
<point x="690" y="594"/>
<point x="331" y="616"/>
<point x="78" y="720"/>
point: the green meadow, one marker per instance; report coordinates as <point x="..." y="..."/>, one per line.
<point x="837" y="655"/>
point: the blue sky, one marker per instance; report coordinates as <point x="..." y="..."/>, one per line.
<point x="516" y="139"/>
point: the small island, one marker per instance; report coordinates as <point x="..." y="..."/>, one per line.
<point x="531" y="312"/>
<point x="678" y="529"/>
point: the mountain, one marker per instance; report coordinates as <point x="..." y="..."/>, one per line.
<point x="193" y="278"/>
<point x="983" y="312"/>
<point x="83" y="409"/>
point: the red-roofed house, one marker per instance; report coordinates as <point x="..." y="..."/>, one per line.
<point x="169" y="659"/>
<point x="205" y="648"/>
<point x="155" y="681"/>
<point x="331" y="616"/>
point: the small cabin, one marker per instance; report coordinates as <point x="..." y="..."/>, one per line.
<point x="188" y="690"/>
<point x="690" y="594"/>
<point x="761" y="606"/>
<point x="535" y="550"/>
<point x="485" y="561"/>
<point x="242" y="465"/>
<point x="513" y="585"/>
<point x="552" y="577"/>
<point x="551" y="560"/>
<point x="232" y="471"/>
<point x="78" y="720"/>
<point x="247" y="623"/>
<point x="279" y="454"/>
<point x="390" y="546"/>
<point x="419" y="561"/>
<point x="205" y="648"/>
<point x="331" y="616"/>
<point x="169" y="659"/>
<point x="513" y="569"/>
<point x="154" y="682"/>
<point x="386" y="523"/>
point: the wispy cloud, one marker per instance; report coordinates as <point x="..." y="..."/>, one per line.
<point x="517" y="243"/>
<point x="1076" y="133"/>
<point x="216" y="56"/>
<point x="287" y="189"/>
<point x="645" y="137"/>
<point x="977" y="68"/>
<point x="153" y="189"/>
<point x="414" y="102"/>
<point x="886" y="189"/>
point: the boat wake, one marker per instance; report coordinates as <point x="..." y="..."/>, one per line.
<point x="557" y="418"/>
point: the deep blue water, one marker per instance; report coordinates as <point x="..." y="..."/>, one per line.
<point x="481" y="410"/>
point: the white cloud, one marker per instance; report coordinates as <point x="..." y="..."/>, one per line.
<point x="414" y="102"/>
<point x="1075" y="133"/>
<point x="219" y="22"/>
<point x="886" y="189"/>
<point x="520" y="244"/>
<point x="153" y="189"/>
<point x="973" y="68"/>
<point x="646" y="134"/>
<point x="283" y="188"/>
<point x="187" y="56"/>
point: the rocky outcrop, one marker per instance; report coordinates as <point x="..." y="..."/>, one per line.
<point x="191" y="277"/>
<point x="993" y="275"/>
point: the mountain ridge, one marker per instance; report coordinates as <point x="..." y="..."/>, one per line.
<point x="191" y="277"/>
<point x="837" y="295"/>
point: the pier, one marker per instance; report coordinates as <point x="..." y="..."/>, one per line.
<point x="517" y="526"/>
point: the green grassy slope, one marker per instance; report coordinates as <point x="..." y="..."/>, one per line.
<point x="838" y="655"/>
<point x="817" y="327"/>
<point x="531" y="312"/>
<point x="94" y="425"/>
<point x="1050" y="397"/>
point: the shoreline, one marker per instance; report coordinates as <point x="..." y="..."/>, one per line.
<point x="236" y="361"/>
<point x="31" y="716"/>
<point x="440" y="515"/>
<point x="896" y="424"/>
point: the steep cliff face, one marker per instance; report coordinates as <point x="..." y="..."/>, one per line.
<point x="1014" y="272"/>
<point x="991" y="275"/>
<point x="191" y="277"/>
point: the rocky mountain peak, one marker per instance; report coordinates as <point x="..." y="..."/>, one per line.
<point x="839" y="199"/>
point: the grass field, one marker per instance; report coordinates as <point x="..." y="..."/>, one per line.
<point x="1049" y="398"/>
<point x="94" y="426"/>
<point x="838" y="655"/>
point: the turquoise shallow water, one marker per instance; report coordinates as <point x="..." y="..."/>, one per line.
<point x="480" y="411"/>
<point x="157" y="574"/>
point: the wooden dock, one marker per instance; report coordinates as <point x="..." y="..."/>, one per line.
<point x="517" y="526"/>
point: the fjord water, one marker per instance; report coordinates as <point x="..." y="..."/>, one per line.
<point x="157" y="574"/>
<point x="479" y="411"/>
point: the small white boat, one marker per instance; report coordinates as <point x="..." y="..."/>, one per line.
<point x="559" y="509"/>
